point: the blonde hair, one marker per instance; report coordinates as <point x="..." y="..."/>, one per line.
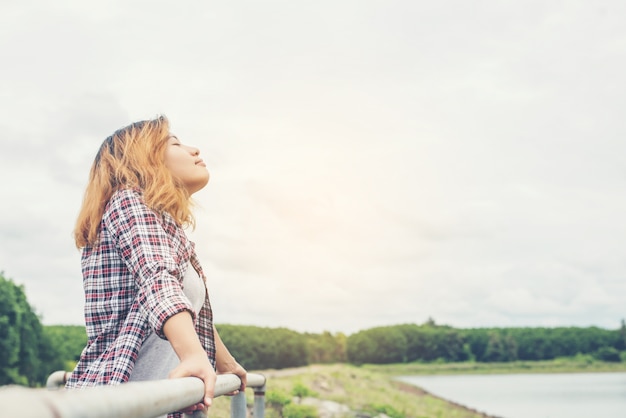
<point x="132" y="158"/>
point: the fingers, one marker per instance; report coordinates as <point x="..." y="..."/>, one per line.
<point x="190" y="410"/>
<point x="244" y="381"/>
<point x="236" y="369"/>
<point x="209" y="388"/>
<point x="201" y="371"/>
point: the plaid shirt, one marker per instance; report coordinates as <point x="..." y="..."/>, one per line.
<point x="133" y="284"/>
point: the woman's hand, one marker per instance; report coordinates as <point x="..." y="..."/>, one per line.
<point x="235" y="368"/>
<point x="200" y="367"/>
<point x="196" y="367"/>
<point x="226" y="363"/>
<point x="194" y="361"/>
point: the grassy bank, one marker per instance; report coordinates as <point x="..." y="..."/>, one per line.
<point x="359" y="388"/>
<point x="578" y="364"/>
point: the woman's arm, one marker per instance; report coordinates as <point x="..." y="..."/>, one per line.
<point x="146" y="250"/>
<point x="181" y="334"/>
<point x="225" y="362"/>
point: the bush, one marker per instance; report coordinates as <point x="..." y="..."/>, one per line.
<point x="302" y="391"/>
<point x="293" y="410"/>
<point x="277" y="398"/>
<point x="608" y="354"/>
<point x="386" y="409"/>
<point x="582" y="358"/>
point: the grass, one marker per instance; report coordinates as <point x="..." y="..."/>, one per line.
<point x="578" y="364"/>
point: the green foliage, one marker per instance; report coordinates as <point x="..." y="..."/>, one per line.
<point x="302" y="391"/>
<point x="265" y="348"/>
<point x="430" y="342"/>
<point x="608" y="354"/>
<point x="407" y="343"/>
<point x="379" y="345"/>
<point x="583" y="358"/>
<point x="500" y="347"/>
<point x="69" y="341"/>
<point x="467" y="352"/>
<point x="326" y="348"/>
<point x="28" y="356"/>
<point x="293" y="410"/>
<point x="387" y="410"/>
<point x="538" y="343"/>
<point x="277" y="398"/>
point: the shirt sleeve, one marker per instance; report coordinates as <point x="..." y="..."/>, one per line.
<point x="148" y="254"/>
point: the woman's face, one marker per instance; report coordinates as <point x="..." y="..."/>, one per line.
<point x="186" y="165"/>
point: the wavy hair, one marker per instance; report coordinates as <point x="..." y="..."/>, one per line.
<point x="133" y="158"/>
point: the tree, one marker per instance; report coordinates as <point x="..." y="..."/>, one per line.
<point x="608" y="354"/>
<point x="622" y="336"/>
<point x="264" y="348"/>
<point x="326" y="347"/>
<point x="27" y="357"/>
<point x="9" y="333"/>
<point x="381" y="345"/>
<point x="69" y="341"/>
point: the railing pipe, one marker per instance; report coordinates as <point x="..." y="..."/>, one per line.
<point x="130" y="400"/>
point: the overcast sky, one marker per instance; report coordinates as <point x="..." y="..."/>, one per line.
<point x="372" y="162"/>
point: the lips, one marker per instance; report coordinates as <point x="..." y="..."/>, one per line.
<point x="201" y="163"/>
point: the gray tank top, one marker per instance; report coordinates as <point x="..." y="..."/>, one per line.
<point x="156" y="356"/>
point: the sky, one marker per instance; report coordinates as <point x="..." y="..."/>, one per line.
<point x="372" y="162"/>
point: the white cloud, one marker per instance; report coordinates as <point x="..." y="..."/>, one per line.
<point x="372" y="163"/>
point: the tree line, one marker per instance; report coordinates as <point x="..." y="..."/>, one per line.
<point x="430" y="342"/>
<point x="30" y="351"/>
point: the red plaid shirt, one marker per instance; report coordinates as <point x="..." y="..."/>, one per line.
<point x="133" y="284"/>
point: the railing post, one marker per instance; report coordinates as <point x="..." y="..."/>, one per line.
<point x="259" y="402"/>
<point x="238" y="408"/>
<point x="196" y="414"/>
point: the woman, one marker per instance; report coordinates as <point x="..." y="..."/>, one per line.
<point x="147" y="310"/>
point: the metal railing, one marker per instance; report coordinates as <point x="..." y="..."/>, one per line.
<point x="130" y="400"/>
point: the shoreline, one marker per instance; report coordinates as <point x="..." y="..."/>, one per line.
<point x="419" y="391"/>
<point x="520" y="367"/>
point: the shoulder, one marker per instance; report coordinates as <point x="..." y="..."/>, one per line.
<point x="126" y="197"/>
<point x="125" y="204"/>
<point x="125" y="200"/>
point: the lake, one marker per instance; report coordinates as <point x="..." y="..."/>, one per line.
<point x="559" y="395"/>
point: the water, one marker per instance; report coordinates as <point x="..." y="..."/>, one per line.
<point x="566" y="395"/>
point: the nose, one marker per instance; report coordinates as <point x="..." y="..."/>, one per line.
<point x="194" y="151"/>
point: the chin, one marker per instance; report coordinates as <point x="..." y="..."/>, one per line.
<point x="199" y="185"/>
